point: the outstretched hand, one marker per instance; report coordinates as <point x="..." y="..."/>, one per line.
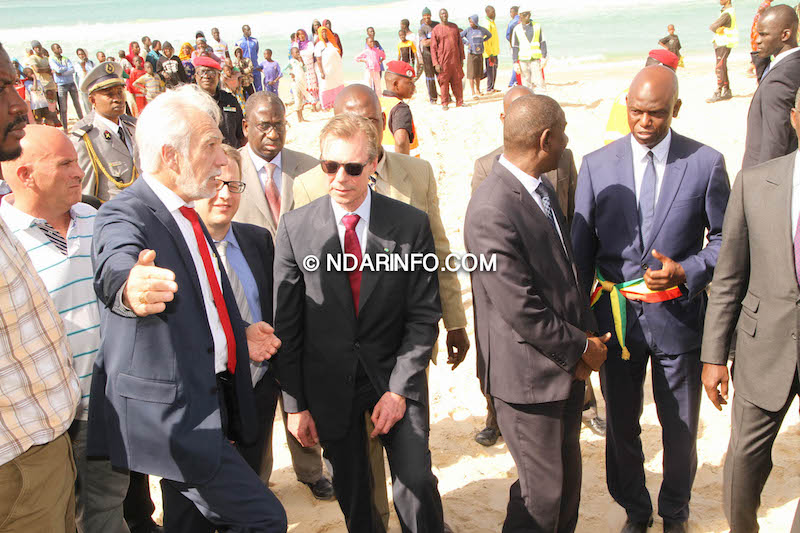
<point x="261" y="341"/>
<point x="149" y="287"/>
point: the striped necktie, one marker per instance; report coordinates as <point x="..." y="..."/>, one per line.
<point x="54" y="236"/>
<point x="236" y="284"/>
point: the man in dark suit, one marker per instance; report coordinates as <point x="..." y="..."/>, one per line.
<point x="769" y="133"/>
<point x="642" y="210"/>
<point x="246" y="253"/>
<point x="755" y="299"/>
<point x="566" y="179"/>
<point x="172" y="386"/>
<point x="359" y="341"/>
<point x="534" y="352"/>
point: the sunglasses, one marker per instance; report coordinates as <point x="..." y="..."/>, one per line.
<point x="351" y="169"/>
<point x="233" y="186"/>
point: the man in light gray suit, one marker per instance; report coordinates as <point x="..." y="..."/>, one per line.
<point x="755" y="294"/>
<point x="269" y="170"/>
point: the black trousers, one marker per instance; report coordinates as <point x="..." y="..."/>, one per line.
<point x="749" y="461"/>
<point x="180" y="514"/>
<point x="138" y="507"/>
<point x="491" y="72"/>
<point x="414" y="487"/>
<point x="677" y="394"/>
<point x="721" y="68"/>
<point x="544" y="440"/>
<point x="430" y="75"/>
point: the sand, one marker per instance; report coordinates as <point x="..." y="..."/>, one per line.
<point x="474" y="480"/>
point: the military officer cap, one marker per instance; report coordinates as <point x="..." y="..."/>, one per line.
<point x="106" y="74"/>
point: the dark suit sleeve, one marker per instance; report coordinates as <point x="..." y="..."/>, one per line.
<point x="118" y="239"/>
<point x="700" y="268"/>
<point x="584" y="239"/>
<point x="289" y="295"/>
<point x="512" y="289"/>
<point x="573" y="183"/>
<point x="777" y="133"/>
<point x="423" y="311"/>
<point x="730" y="281"/>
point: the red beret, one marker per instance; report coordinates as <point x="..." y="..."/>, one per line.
<point x="401" y="68"/>
<point x="203" y="61"/>
<point x="665" y="57"/>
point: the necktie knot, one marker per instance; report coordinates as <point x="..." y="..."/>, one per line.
<point x="270" y="170"/>
<point x="350" y="222"/>
<point x="649" y="156"/>
<point x="189" y="213"/>
<point x="222" y="248"/>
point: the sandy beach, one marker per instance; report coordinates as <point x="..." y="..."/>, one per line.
<point x="474" y="480"/>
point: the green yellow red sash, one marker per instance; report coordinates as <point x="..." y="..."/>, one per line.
<point x="631" y="290"/>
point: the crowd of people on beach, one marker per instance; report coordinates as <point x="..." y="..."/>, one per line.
<point x="173" y="274"/>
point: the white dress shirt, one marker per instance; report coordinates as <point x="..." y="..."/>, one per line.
<point x="660" y="153"/>
<point x="261" y="169"/>
<point x="780" y="56"/>
<point x="795" y="208"/>
<point x="363" y="223"/>
<point x="173" y="203"/>
<point x="530" y="184"/>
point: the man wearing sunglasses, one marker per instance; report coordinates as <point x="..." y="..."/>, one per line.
<point x="206" y="75"/>
<point x="358" y="342"/>
<point x="409" y="180"/>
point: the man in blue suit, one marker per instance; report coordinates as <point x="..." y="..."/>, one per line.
<point x="172" y="388"/>
<point x="644" y="205"/>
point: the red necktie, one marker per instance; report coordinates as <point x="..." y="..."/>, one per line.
<point x="352" y="246"/>
<point x="272" y="194"/>
<point x="216" y="291"/>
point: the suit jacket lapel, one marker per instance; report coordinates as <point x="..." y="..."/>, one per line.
<point x="165" y="217"/>
<point x="778" y="192"/>
<point x="288" y="172"/>
<point x="251" y="255"/>
<point x="254" y="189"/>
<point x="378" y="242"/>
<point x="325" y="238"/>
<point x="670" y="185"/>
<point x="400" y="187"/>
<point x="630" y="212"/>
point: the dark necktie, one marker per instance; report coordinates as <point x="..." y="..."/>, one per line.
<point x="541" y="190"/>
<point x="352" y="246"/>
<point x="647" y="199"/>
<point x="121" y="132"/>
<point x="216" y="291"/>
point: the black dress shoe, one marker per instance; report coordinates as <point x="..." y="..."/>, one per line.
<point x="636" y="527"/>
<point x="322" y="489"/>
<point x="675" y="527"/>
<point x="597" y="425"/>
<point x="487" y="437"/>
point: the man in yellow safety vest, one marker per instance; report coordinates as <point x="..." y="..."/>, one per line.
<point x="529" y="50"/>
<point x="726" y="37"/>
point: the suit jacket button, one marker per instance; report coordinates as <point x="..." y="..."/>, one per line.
<point x="357" y="345"/>
<point x="644" y="267"/>
<point x="348" y="379"/>
<point x="794" y="336"/>
<point x="211" y="350"/>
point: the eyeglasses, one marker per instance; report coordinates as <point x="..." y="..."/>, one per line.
<point x="265" y="127"/>
<point x="233" y="186"/>
<point x="351" y="169"/>
<point x="206" y="73"/>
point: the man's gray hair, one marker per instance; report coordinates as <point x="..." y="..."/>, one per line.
<point x="347" y="126"/>
<point x="168" y="121"/>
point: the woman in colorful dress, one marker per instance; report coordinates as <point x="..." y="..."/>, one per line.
<point x="186" y="59"/>
<point x="307" y="55"/>
<point x="329" y="65"/>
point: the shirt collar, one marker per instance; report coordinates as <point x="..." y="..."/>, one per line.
<point x="168" y="197"/>
<point x="782" y="55"/>
<point x="19" y="220"/>
<point x="362" y="211"/>
<point x="529" y="182"/>
<point x="107" y="123"/>
<point x="660" y="151"/>
<point x="230" y="238"/>
<point x="259" y="162"/>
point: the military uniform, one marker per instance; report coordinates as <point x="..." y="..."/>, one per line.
<point x="109" y="165"/>
<point x="107" y="152"/>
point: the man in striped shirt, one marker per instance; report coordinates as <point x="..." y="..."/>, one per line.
<point x="45" y="215"/>
<point x="38" y="388"/>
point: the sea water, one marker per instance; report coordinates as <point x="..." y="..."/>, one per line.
<point x="576" y="31"/>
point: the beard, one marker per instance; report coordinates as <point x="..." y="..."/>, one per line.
<point x="187" y="183"/>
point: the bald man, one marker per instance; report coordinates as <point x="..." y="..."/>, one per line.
<point x="531" y="318"/>
<point x="769" y="131"/>
<point x="46" y="216"/>
<point x="566" y="179"/>
<point x="644" y="206"/>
